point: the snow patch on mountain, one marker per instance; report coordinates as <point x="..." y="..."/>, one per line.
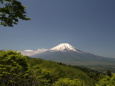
<point x="64" y="47"/>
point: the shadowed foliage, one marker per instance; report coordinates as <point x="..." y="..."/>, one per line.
<point x="11" y="11"/>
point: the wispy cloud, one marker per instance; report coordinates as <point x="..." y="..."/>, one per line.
<point x="28" y="50"/>
<point x="32" y="52"/>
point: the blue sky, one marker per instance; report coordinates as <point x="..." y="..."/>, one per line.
<point x="88" y="25"/>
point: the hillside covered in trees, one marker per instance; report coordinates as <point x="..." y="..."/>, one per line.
<point x="19" y="70"/>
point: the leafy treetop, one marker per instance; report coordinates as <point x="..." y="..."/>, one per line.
<point x="11" y="11"/>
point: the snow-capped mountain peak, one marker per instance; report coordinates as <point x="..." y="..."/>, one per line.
<point x="64" y="47"/>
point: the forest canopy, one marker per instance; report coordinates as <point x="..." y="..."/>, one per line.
<point x="19" y="70"/>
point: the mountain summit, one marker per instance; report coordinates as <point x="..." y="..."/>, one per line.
<point x="64" y="47"/>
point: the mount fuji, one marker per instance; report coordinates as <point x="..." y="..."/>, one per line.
<point x="68" y="54"/>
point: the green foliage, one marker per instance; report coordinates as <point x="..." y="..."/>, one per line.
<point x="109" y="73"/>
<point x="11" y="11"/>
<point x="57" y="71"/>
<point x="95" y="75"/>
<point x="18" y="70"/>
<point x="13" y="68"/>
<point x="113" y="81"/>
<point x="68" y="82"/>
<point x="107" y="81"/>
<point x="39" y="77"/>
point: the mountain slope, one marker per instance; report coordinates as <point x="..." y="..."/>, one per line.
<point x="59" y="70"/>
<point x="68" y="54"/>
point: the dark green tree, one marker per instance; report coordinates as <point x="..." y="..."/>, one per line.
<point x="11" y="11"/>
<point x="109" y="73"/>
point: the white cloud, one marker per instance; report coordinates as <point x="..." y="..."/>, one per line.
<point x="32" y="52"/>
<point x="28" y="50"/>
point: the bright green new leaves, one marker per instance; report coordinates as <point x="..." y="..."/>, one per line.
<point x="68" y="82"/>
<point x="107" y="81"/>
<point x="13" y="68"/>
<point x="11" y="11"/>
<point x="39" y="77"/>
